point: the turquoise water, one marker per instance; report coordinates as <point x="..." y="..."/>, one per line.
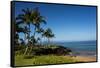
<point x="85" y="48"/>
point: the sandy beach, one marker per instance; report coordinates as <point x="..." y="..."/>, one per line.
<point x="85" y="58"/>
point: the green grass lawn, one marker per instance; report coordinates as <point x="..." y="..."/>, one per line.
<point x="42" y="60"/>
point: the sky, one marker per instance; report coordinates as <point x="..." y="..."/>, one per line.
<point x="68" y="22"/>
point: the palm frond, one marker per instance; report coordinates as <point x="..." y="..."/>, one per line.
<point x="19" y="22"/>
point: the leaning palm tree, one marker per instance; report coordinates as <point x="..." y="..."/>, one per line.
<point x="32" y="41"/>
<point x="25" y="19"/>
<point x="28" y="17"/>
<point x="36" y="20"/>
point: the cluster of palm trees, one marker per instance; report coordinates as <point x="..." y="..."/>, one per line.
<point x="23" y="24"/>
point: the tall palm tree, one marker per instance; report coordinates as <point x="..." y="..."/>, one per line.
<point x="31" y="17"/>
<point x="17" y="30"/>
<point x="37" y="20"/>
<point x="25" y="18"/>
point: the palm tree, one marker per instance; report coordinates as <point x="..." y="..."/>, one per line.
<point x="30" y="17"/>
<point x="32" y="41"/>
<point x="26" y="31"/>
<point x="40" y="31"/>
<point x="48" y="34"/>
<point x="17" y="30"/>
<point x="25" y="18"/>
<point x="37" y="20"/>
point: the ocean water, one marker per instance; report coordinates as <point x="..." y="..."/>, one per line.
<point x="83" y="48"/>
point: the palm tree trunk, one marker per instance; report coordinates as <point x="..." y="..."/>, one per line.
<point x="29" y="38"/>
<point x="30" y="50"/>
<point x="33" y="43"/>
<point x="28" y="41"/>
<point x="26" y="50"/>
<point x="29" y="33"/>
<point x="25" y="38"/>
<point x="40" y="41"/>
<point x="26" y="47"/>
<point x="48" y="41"/>
<point x="34" y="35"/>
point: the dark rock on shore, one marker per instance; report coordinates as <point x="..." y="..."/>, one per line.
<point x="59" y="50"/>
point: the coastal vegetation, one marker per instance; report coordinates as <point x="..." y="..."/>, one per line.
<point x="32" y="50"/>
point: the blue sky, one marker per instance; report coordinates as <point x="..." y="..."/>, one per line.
<point x="68" y="23"/>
